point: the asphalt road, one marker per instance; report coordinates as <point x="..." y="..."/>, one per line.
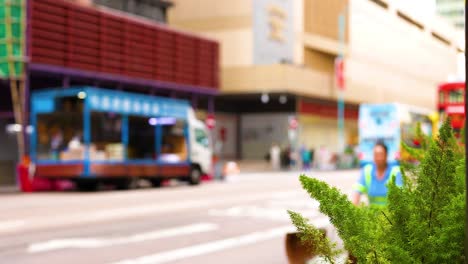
<point x="241" y="220"/>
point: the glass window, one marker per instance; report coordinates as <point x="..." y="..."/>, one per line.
<point x="148" y="9"/>
<point x="441" y="97"/>
<point x="141" y="141"/>
<point x="456" y="96"/>
<point x="201" y="137"/>
<point x="106" y="137"/>
<point x="173" y="145"/>
<point x="59" y="133"/>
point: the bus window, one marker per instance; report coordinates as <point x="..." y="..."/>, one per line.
<point x="441" y="97"/>
<point x="456" y="96"/>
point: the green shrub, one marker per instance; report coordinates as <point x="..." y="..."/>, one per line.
<point x="423" y="222"/>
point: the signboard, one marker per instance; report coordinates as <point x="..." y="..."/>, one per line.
<point x="210" y="121"/>
<point x="273" y="31"/>
<point x="133" y="104"/>
<point x="222" y="134"/>
<point x="455" y="109"/>
<point x="293" y="123"/>
<point x="339" y="73"/>
<point x="104" y="100"/>
<point x="379" y="122"/>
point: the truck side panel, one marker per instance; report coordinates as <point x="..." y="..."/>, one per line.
<point x="379" y="122"/>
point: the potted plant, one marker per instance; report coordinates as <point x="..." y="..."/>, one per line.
<point x="423" y="222"/>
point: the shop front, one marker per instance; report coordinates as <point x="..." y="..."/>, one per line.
<point x="318" y="132"/>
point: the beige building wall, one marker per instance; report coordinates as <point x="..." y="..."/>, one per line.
<point x="321" y="17"/>
<point x="316" y="131"/>
<point x="299" y="23"/>
<point x="277" y="78"/>
<point x="236" y="39"/>
<point x="321" y="33"/>
<point x="319" y="61"/>
<point x="229" y="22"/>
<point x="388" y="56"/>
<point x="391" y="59"/>
<point x="193" y="13"/>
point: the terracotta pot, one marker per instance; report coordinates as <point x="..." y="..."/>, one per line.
<point x="297" y="252"/>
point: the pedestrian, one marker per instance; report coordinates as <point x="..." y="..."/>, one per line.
<point x="275" y="152"/>
<point x="305" y="155"/>
<point x="285" y="158"/>
<point x="324" y="158"/>
<point x="56" y="143"/>
<point x="375" y="177"/>
<point x="312" y="160"/>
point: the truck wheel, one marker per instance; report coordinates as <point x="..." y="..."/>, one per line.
<point x="87" y="185"/>
<point x="222" y="177"/>
<point x="156" y="182"/>
<point x="195" y="176"/>
<point x="126" y="184"/>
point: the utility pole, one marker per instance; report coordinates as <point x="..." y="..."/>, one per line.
<point x="340" y="84"/>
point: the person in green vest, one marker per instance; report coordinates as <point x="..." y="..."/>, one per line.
<point x="375" y="177"/>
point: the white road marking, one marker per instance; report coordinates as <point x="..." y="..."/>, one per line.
<point x="210" y="247"/>
<point x="274" y="210"/>
<point x="220" y="245"/>
<point x="11" y="225"/>
<point x="258" y="212"/>
<point x="57" y="244"/>
<point x="295" y="203"/>
<point x="122" y="213"/>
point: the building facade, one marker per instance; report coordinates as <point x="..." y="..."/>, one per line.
<point x="154" y="10"/>
<point x="278" y="63"/>
<point x="76" y="43"/>
<point x="453" y="11"/>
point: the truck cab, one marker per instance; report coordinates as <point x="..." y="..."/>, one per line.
<point x="200" y="146"/>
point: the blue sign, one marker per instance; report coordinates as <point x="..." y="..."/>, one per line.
<point x="104" y="100"/>
<point x="43" y="104"/>
<point x="379" y="122"/>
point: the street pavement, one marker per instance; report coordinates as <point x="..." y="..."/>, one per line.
<point x="240" y="220"/>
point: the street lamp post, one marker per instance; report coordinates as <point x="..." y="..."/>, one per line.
<point x="339" y="80"/>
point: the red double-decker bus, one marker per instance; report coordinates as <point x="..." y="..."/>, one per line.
<point x="451" y="103"/>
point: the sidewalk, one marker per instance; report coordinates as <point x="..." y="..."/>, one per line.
<point x="252" y="166"/>
<point x="9" y="189"/>
<point x="247" y="166"/>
